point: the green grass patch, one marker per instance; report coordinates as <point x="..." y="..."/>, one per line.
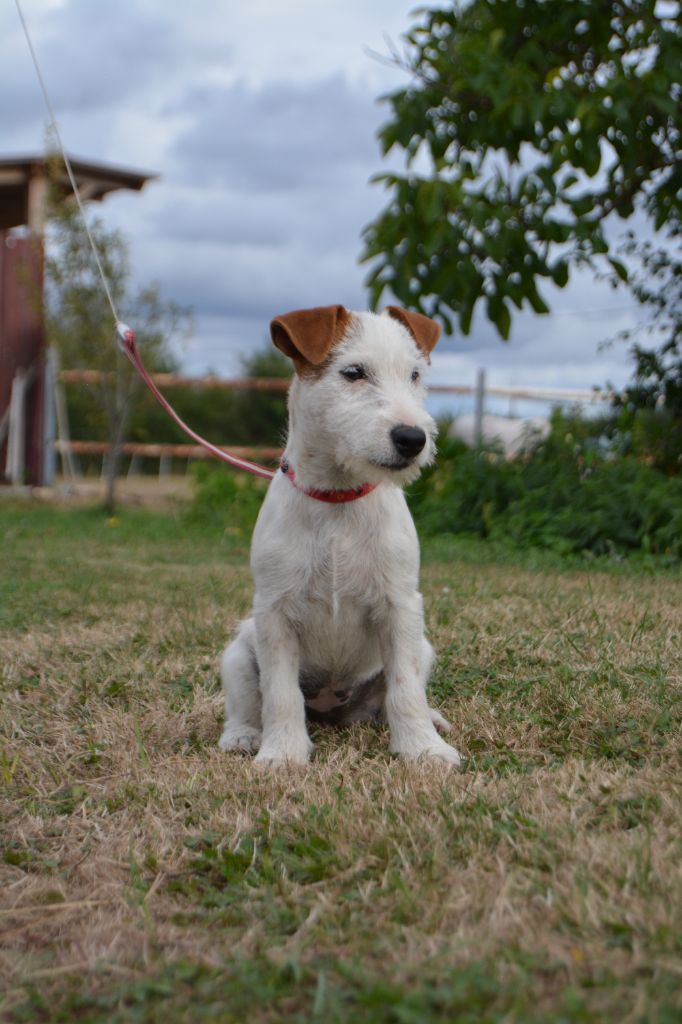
<point x="145" y="875"/>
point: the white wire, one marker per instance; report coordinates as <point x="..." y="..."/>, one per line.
<point x="67" y="162"/>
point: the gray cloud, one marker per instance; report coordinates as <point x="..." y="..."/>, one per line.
<point x="282" y="136"/>
<point x="262" y="123"/>
<point x="120" y="60"/>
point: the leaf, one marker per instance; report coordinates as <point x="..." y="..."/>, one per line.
<point x="465" y="317"/>
<point x="619" y="268"/>
<point x="498" y="313"/>
<point x="591" y="155"/>
<point x="503" y="322"/>
<point x="559" y="273"/>
<point x="537" y="302"/>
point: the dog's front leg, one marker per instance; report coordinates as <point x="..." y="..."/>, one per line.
<point x="285" y="739"/>
<point x="410" y="721"/>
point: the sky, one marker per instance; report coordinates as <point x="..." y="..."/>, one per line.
<point x="260" y="119"/>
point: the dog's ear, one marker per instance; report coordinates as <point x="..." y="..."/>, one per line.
<point x="308" y="335"/>
<point x="423" y="329"/>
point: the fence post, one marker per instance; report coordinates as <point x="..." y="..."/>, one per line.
<point x="49" y="417"/>
<point x="479" y="408"/>
<point x="16" y="438"/>
<point x="70" y="463"/>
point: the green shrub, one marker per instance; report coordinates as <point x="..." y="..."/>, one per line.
<point x="569" y="493"/>
<point x="464" y="491"/>
<point x="225" y="498"/>
<point x="656" y="435"/>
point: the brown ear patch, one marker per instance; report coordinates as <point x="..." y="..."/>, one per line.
<point x="423" y="329"/>
<point x="307" y="336"/>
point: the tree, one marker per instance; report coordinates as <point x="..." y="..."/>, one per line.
<point x="651" y="404"/>
<point x="263" y="414"/>
<point x="533" y="122"/>
<point x="79" y="321"/>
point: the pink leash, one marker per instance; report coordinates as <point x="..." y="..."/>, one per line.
<point x="125" y="338"/>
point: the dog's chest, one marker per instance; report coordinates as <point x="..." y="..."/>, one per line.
<point x="338" y="593"/>
<point x="335" y="601"/>
<point x="334" y="572"/>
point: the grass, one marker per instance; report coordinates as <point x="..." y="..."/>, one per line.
<point x="146" y="876"/>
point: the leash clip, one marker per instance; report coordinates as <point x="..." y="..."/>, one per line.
<point x="124" y="337"/>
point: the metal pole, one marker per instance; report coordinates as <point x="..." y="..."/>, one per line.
<point x="479" y="408"/>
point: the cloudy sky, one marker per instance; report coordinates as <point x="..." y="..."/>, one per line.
<point x="260" y="119"/>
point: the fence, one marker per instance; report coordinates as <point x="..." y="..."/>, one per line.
<point x="67" y="448"/>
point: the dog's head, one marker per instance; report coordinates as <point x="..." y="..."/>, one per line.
<point x="358" y="395"/>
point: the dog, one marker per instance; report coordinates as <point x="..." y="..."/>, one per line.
<point x="337" y="630"/>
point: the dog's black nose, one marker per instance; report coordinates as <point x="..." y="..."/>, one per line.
<point x="408" y="441"/>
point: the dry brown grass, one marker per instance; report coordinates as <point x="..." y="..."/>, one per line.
<point x="148" y="876"/>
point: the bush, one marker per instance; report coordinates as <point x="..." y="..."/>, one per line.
<point x="225" y="498"/>
<point x="570" y="493"/>
<point x="654" y="435"/>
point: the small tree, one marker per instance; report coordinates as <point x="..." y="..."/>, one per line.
<point x="651" y="404"/>
<point x="532" y="122"/>
<point x="263" y="414"/>
<point x="79" y="321"/>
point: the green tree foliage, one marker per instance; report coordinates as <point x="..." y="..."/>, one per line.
<point x="650" y="408"/>
<point x="80" y="325"/>
<point x="525" y="125"/>
<point x="263" y="414"/>
<point x="226" y="417"/>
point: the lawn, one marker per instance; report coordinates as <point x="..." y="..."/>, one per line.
<point x="146" y="876"/>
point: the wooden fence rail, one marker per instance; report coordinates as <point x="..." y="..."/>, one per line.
<point x="165" y="451"/>
<point x="281" y="384"/>
<point x="176" y="380"/>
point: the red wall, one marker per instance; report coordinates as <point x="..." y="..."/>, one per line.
<point x="22" y="338"/>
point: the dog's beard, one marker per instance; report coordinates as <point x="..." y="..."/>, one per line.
<point x="351" y="448"/>
<point x="380" y="466"/>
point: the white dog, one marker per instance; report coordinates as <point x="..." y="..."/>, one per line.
<point x="337" y="631"/>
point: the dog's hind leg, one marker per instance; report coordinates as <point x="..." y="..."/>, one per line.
<point x="239" y="673"/>
<point x="428" y="656"/>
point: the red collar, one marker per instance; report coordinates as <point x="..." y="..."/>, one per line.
<point x="331" y="497"/>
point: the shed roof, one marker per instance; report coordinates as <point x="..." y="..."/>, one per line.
<point x="95" y="181"/>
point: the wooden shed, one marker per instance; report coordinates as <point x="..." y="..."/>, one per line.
<point x="25" y="428"/>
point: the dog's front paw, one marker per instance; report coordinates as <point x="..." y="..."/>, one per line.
<point x="432" y="748"/>
<point x="237" y="736"/>
<point x="279" y="749"/>
<point x="444" y="752"/>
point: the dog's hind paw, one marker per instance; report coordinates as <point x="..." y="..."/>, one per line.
<point x="237" y="736"/>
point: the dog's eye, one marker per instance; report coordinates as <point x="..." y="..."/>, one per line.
<point x="415" y="376"/>
<point x="356" y="372"/>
